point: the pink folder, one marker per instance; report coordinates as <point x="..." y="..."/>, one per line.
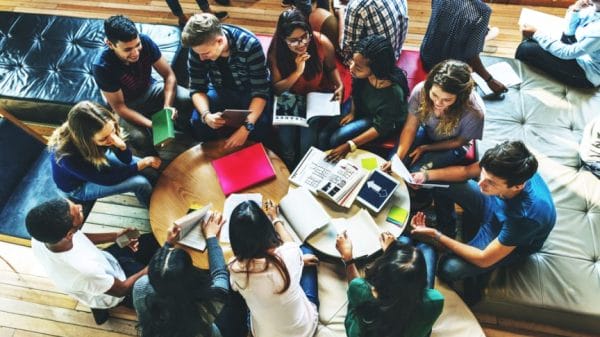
<point x="244" y="168"/>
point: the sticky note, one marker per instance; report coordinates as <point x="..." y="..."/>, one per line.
<point x="397" y="215"/>
<point x="369" y="163"/>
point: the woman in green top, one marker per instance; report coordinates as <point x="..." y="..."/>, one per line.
<point x="392" y="300"/>
<point x="378" y="105"/>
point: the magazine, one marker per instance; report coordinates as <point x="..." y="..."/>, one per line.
<point x="191" y="235"/>
<point x="339" y="181"/>
<point x="291" y="109"/>
<point x="305" y="219"/>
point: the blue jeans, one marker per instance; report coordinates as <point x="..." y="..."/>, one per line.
<point x="137" y="184"/>
<point x="225" y="98"/>
<point x="334" y="135"/>
<point x="296" y="140"/>
<point x="429" y="254"/>
<point x="433" y="159"/>
<point x="133" y="262"/>
<point x="478" y="213"/>
<point x="308" y="280"/>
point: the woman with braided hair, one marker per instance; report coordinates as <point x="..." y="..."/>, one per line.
<point x="377" y="107"/>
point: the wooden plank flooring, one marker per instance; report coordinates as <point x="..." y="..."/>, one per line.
<point x="31" y="306"/>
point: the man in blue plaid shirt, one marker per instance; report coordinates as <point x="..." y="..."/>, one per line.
<point x="227" y="70"/>
<point x="362" y="18"/>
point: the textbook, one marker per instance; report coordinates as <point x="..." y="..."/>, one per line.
<point x="244" y="168"/>
<point x="377" y="191"/>
<point x="303" y="213"/>
<point x="163" y="129"/>
<point x="401" y="170"/>
<point x="291" y="109"/>
<point x="191" y="235"/>
<point x="305" y="218"/>
<point x="339" y="182"/>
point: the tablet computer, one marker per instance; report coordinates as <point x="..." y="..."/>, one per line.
<point x="235" y="118"/>
<point x="377" y="190"/>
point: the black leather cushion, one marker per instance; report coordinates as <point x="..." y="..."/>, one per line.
<point x="26" y="178"/>
<point x="47" y="59"/>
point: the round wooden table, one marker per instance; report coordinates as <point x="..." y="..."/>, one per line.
<point x="191" y="179"/>
<point x="324" y="240"/>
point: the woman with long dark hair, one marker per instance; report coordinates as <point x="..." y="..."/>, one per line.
<point x="378" y="104"/>
<point x="301" y="61"/>
<point x="176" y="299"/>
<point x="444" y="115"/>
<point x="277" y="279"/>
<point x="393" y="299"/>
<point x="90" y="159"/>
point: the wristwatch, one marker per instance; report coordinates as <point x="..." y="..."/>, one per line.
<point x="249" y="126"/>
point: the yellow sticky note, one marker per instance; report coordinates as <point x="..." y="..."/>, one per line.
<point x="397" y="215"/>
<point x="369" y="163"/>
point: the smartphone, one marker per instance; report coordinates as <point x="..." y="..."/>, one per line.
<point x="123" y="240"/>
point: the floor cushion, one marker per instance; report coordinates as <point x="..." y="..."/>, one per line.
<point x="559" y="285"/>
<point x="46" y="60"/>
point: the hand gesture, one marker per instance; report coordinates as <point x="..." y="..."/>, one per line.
<point x="174" y="112"/>
<point x="419" y="225"/>
<point x="528" y="31"/>
<point x="133" y="242"/>
<point x="173" y="234"/>
<point x="386" y="239"/>
<point x="386" y="167"/>
<point x="338" y="94"/>
<point x="347" y="119"/>
<point x="149" y="161"/>
<point x="338" y="153"/>
<point x="310" y="260"/>
<point x="238" y="138"/>
<point x="301" y="62"/>
<point x="343" y="244"/>
<point x="271" y="209"/>
<point x="214" y="121"/>
<point x="416" y="154"/>
<point x="211" y="224"/>
<point x="117" y="142"/>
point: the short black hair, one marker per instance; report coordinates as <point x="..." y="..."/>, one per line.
<point x="50" y="221"/>
<point x="511" y="161"/>
<point x="120" y="28"/>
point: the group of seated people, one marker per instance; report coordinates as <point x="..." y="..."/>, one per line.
<point x="270" y="286"/>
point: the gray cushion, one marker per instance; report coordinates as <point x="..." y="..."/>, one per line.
<point x="563" y="277"/>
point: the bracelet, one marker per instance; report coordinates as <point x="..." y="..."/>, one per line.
<point x="276" y="221"/>
<point x="203" y="115"/>
<point x="489" y="78"/>
<point x="349" y="262"/>
<point x="352" y="145"/>
<point x="438" y="236"/>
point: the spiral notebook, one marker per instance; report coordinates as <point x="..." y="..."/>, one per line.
<point x="244" y="168"/>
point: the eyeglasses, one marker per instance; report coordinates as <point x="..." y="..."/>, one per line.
<point x="298" y="42"/>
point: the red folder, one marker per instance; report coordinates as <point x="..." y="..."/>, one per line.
<point x="244" y="168"/>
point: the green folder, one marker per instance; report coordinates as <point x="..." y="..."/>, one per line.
<point x="163" y="130"/>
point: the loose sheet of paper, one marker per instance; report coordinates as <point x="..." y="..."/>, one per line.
<point x="401" y="170"/>
<point x="502" y="72"/>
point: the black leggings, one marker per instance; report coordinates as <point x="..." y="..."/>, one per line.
<point x="566" y="71"/>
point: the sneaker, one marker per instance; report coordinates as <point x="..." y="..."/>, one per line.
<point x="221" y="15"/>
<point x="492" y="33"/>
<point x="223" y="2"/>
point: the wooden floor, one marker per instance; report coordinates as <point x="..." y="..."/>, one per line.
<point x="30" y="305"/>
